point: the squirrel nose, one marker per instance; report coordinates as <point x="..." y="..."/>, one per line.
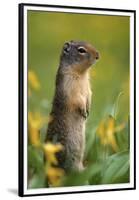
<point x="97" y="55"/>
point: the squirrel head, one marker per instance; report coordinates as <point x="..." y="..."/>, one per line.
<point x="78" y="56"/>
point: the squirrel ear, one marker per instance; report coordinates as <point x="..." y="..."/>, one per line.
<point x="67" y="47"/>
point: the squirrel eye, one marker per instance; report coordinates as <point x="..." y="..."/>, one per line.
<point x="82" y="50"/>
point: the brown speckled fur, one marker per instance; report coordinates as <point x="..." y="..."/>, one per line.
<point x="71" y="106"/>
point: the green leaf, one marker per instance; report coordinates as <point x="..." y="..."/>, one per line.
<point x="43" y="133"/>
<point x="91" y="146"/>
<point x="82" y="178"/>
<point x="115" y="109"/>
<point x="115" y="167"/>
<point x="37" y="181"/>
<point x="35" y="159"/>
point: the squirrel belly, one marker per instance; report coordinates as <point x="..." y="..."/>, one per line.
<point x="71" y="104"/>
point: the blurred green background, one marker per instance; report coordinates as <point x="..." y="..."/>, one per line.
<point x="47" y="32"/>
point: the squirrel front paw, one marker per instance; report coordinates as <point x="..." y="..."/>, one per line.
<point x="88" y="107"/>
<point x="83" y="113"/>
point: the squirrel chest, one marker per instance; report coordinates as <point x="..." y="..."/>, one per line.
<point x="77" y="90"/>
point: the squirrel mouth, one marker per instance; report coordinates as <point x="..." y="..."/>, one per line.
<point x="93" y="61"/>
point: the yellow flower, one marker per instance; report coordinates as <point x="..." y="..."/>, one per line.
<point x="33" y="80"/>
<point x="102" y="133"/>
<point x="106" y="131"/>
<point x="54" y="175"/>
<point x="34" y="137"/>
<point x="35" y="122"/>
<point x="50" y="150"/>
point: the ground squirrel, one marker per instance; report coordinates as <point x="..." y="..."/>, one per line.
<point x="71" y="103"/>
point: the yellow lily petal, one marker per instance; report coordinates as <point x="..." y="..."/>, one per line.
<point x="106" y="132"/>
<point x="101" y="131"/>
<point x="33" y="80"/>
<point x="35" y="122"/>
<point x="34" y="137"/>
<point x="54" y="175"/>
<point x="50" y="150"/>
